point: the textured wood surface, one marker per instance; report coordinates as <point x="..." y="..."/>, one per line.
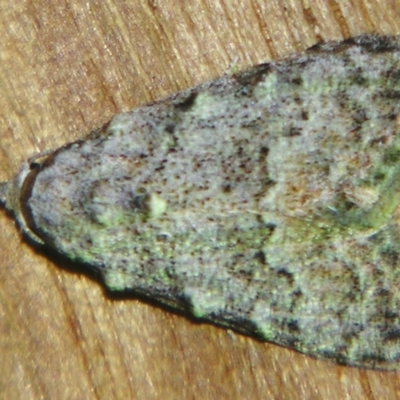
<point x="65" y="68"/>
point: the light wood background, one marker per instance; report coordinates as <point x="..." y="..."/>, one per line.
<point x="65" y="68"/>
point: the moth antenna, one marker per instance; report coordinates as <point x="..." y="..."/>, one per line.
<point x="4" y="188"/>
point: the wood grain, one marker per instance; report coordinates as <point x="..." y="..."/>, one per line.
<point x="65" y="68"/>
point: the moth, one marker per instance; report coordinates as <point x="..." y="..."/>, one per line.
<point x="265" y="201"/>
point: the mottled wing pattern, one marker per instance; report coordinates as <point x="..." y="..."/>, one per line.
<point x="265" y="201"/>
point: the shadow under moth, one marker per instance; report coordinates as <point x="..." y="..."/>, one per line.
<point x="265" y="201"/>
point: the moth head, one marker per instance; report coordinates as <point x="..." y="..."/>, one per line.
<point x="13" y="195"/>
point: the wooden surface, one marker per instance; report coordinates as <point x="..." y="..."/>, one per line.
<point x="65" y="68"/>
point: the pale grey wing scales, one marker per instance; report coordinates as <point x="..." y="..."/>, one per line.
<point x="266" y="201"/>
